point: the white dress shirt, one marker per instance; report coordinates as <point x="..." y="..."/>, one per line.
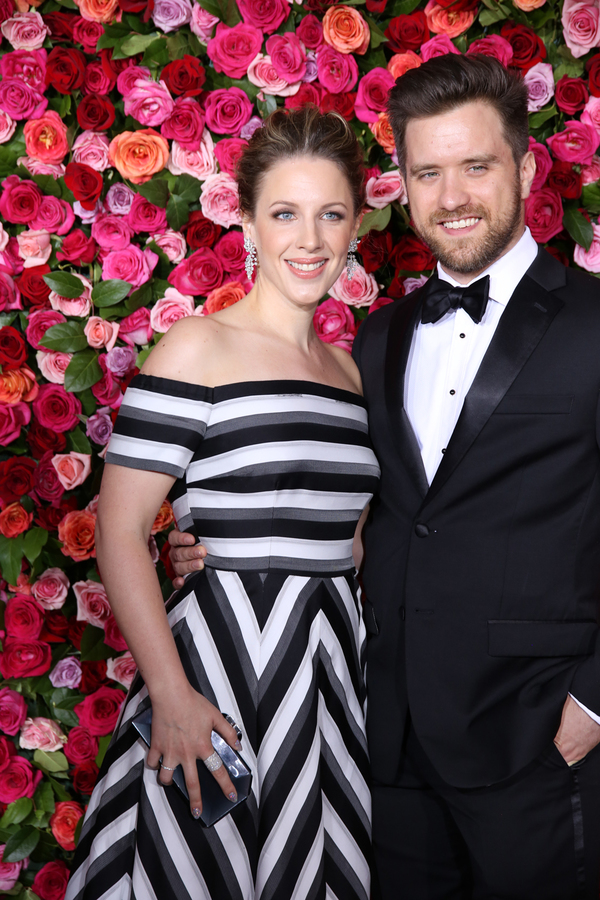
<point x="445" y="357"/>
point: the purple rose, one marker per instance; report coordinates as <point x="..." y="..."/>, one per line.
<point x="170" y="15"/>
<point x="99" y="427"/>
<point x="252" y="125"/>
<point x="312" y="69"/>
<point x="540" y="86"/>
<point x="120" y="361"/>
<point x="66" y="673"/>
<point x="119" y="199"/>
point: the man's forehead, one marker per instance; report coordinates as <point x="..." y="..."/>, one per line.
<point x="472" y="129"/>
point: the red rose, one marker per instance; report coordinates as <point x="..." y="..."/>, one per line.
<point x="16" y="478"/>
<point x="200" y="231"/>
<point x="85" y="183"/>
<point x="34" y="289"/>
<point x="375" y="249"/>
<point x="56" y="626"/>
<point x="543" y="214"/>
<point x="84" y="777"/>
<point x="14" y="520"/>
<point x="559" y="255"/>
<point x="564" y="179"/>
<point x="184" y="77"/>
<point x="13" y="350"/>
<point x="81" y="745"/>
<point x="528" y="48"/>
<point x="23" y="659"/>
<point x="200" y="273"/>
<point x="23" y="618"/>
<point x="93" y="675"/>
<point x="95" y="113"/>
<point x="47" y="484"/>
<point x="308" y="93"/>
<point x="99" y="711"/>
<point x="7" y="748"/>
<point x="95" y="80"/>
<point x="64" y="821"/>
<point x="396" y="288"/>
<point x="20" y="200"/>
<point x="77" y="248"/>
<point x="61" y="25"/>
<point x="310" y="32"/>
<point x="571" y="94"/>
<point x="593" y="70"/>
<point x="230" y="250"/>
<point x="55" y="408"/>
<point x="65" y="68"/>
<point x="407" y="32"/>
<point x="376" y="6"/>
<point x="138" y="6"/>
<point x="50" y="883"/>
<point x="341" y="103"/>
<point x="76" y="629"/>
<point x="18" y="780"/>
<point x="112" y="635"/>
<point x="411" y="255"/>
<point x="41" y="439"/>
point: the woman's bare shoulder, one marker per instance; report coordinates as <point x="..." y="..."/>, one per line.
<point x="188" y="350"/>
<point x="348" y="367"/>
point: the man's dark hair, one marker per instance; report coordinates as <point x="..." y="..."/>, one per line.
<point x="447" y="82"/>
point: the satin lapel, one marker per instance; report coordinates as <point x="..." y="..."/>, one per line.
<point x="399" y="340"/>
<point x="528" y="314"/>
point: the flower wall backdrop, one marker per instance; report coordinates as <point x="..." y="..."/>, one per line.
<point x="120" y="125"/>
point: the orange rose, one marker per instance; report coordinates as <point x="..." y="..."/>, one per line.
<point x="345" y="30"/>
<point x="448" y="21"/>
<point x="14" y="520"/>
<point x="222" y="297"/>
<point x="17" y="385"/>
<point x="46" y="138"/>
<point x="63" y="822"/>
<point x="528" y="5"/>
<point x="402" y="62"/>
<point x="76" y="531"/>
<point x="163" y="518"/>
<point x="98" y="10"/>
<point x="138" y="155"/>
<point x="383" y="133"/>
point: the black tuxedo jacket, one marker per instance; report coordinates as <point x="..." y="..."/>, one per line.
<point x="482" y="589"/>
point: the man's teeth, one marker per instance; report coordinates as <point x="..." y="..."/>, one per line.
<point x="460" y="223"/>
<point x="307" y="267"/>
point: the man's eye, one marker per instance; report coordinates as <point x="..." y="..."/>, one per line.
<point x="428" y="175"/>
<point x="478" y="169"/>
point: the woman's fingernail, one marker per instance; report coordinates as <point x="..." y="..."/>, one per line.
<point x="232" y="796"/>
<point x="237" y="745"/>
<point x="196" y="812"/>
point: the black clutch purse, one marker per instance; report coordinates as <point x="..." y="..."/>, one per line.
<point x="215" y="804"/>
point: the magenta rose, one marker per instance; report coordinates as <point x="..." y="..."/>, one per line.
<point x="571" y="94"/>
<point x="227" y="111"/>
<point x="56" y="409"/>
<point x="131" y="264"/>
<point x="543" y="214"/>
<point x="20" y="201"/>
<point x="96" y="80"/>
<point x="81" y="745"/>
<point x="112" y="633"/>
<point x="148" y="101"/>
<point x="27" y="65"/>
<point x="145" y="216"/>
<point x="230" y="250"/>
<point x="228" y="152"/>
<point x="10" y="296"/>
<point x="438" y="45"/>
<point x="338" y="72"/>
<point x="50" y="883"/>
<point x="310" y="32"/>
<point x="112" y="232"/>
<point x="54" y="215"/>
<point x="581" y="26"/>
<point x="24" y="658"/>
<point x="18" y="780"/>
<point x="23" y="618"/>
<point x="287" y="56"/>
<point x="233" y="49"/>
<point x="99" y="711"/>
<point x="372" y="96"/>
<point x="107" y="391"/>
<point x="185" y="124"/>
<point x="334" y="323"/>
<point x="135" y="328"/>
<point x="199" y="274"/>
<point x="13" y="711"/>
<point x="267" y="15"/>
<point x="543" y="163"/>
<point x="576" y="144"/>
<point x="493" y="45"/>
<point x="12" y="417"/>
<point x="589" y="259"/>
<point x="20" y="101"/>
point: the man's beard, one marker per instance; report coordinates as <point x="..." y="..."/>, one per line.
<point x="471" y="255"/>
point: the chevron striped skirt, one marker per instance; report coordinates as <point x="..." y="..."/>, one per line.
<point x="284" y="655"/>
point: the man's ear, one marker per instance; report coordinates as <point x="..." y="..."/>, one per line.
<point x="527" y="173"/>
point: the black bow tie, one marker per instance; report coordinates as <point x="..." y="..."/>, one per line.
<point x="442" y="296"/>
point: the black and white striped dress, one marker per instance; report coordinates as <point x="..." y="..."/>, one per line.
<point x="272" y="478"/>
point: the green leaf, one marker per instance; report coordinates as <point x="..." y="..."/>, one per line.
<point x="578" y="227"/>
<point x="78" y="441"/>
<point x="59" y="791"/>
<point x="142" y="357"/>
<point x="377" y="35"/>
<point x="7" y="318"/>
<point x="155" y="191"/>
<point x="267" y="106"/>
<point x="21" y="844"/>
<point x="188" y="188"/>
<point x="140" y="297"/>
<point x="44" y="797"/>
<point x="48" y="184"/>
<point x="402" y="7"/>
<point x="65" y="284"/>
<point x="488" y="17"/>
<point x="178" y="212"/>
<point x="177" y="45"/>
<point x="137" y="43"/>
<point x="51" y="762"/>
<point x="68" y="337"/>
<point x="16" y="812"/>
<point x="88" y="402"/>
<point x="102" y="748"/>
<point x="536" y="120"/>
<point x="83" y="371"/>
<point x="33" y="543"/>
<point x="111" y="292"/>
<point x="8" y="157"/>
<point x="11" y="554"/>
<point x="376" y="220"/>
<point x="93" y="647"/>
<point x="66" y="717"/>
<point x="226" y="10"/>
<point x="590" y="198"/>
<point x="157" y="53"/>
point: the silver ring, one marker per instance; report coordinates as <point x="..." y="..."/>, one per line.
<point x="167" y="768"/>
<point x="213" y="762"/>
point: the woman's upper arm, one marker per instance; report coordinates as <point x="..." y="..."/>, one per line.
<point x="130" y="499"/>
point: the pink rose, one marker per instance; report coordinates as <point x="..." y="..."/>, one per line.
<point x="185" y="123"/>
<point x="589" y="259"/>
<point x="107" y="391"/>
<point x="198" y="163"/>
<point x="230" y="250"/>
<point x="131" y="264"/>
<point x="543" y="214"/>
<point x="91" y="148"/>
<point x="438" y="45"/>
<point x="171" y="15"/>
<point x="493" y="45"/>
<point x="540" y="86"/>
<point x="220" y="200"/>
<point x="122" y="669"/>
<point x="267" y="15"/>
<point x="543" y="163"/>
<point x="581" y="26"/>
<point x="228" y="151"/>
<point x="334" y="323"/>
<point x="262" y="73"/>
<point x="149" y="101"/>
<point x="53" y="364"/>
<point x="101" y="333"/>
<point x="35" y="167"/>
<point x="18" y="780"/>
<point x="34" y="248"/>
<point x="591" y="173"/>
<point x="112" y="232"/>
<point x="10" y="297"/>
<point x="372" y="96"/>
<point x="591" y="113"/>
<point x="172" y="243"/>
<point x="338" y="72"/>
<point x="145" y="216"/>
<point x="80" y="306"/>
<point x="576" y="144"/>
<point x="227" y="110"/>
<point x="361" y="290"/>
<point x="8" y="127"/>
<point x="233" y="49"/>
<point x="25" y="30"/>
<point x="287" y="55"/>
<point x="41" y="734"/>
<point x="9" y="872"/>
<point x="92" y="603"/>
<point x="135" y="328"/>
<point x="112" y="634"/>
<point x="202" y="23"/>
<point x="20" y="101"/>
<point x="26" y="65"/>
<point x="385" y="188"/>
<point x="13" y="711"/>
<point x="199" y="274"/>
<point x="12" y="418"/>
<point x="54" y="215"/>
<point x="50" y="589"/>
<point x="72" y="468"/>
<point x="170" y="308"/>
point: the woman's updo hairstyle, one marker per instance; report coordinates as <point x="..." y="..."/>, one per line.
<point x="299" y="132"/>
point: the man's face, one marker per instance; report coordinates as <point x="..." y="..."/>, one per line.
<point x="465" y="191"/>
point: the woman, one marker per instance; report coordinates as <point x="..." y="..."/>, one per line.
<point x="259" y="432"/>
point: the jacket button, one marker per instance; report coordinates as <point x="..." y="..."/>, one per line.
<point x="421" y="530"/>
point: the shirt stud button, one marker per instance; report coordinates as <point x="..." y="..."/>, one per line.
<point x="463" y="335"/>
<point x="453" y="392"/>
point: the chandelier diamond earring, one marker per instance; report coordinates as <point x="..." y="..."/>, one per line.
<point x="351" y="262"/>
<point x="251" y="259"/>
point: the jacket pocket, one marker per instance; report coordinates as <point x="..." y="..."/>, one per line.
<point x="535" y="404"/>
<point x="508" y="637"/>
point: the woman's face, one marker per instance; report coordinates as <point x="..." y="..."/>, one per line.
<point x="303" y="223"/>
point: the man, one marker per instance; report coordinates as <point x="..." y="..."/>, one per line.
<point x="482" y="549"/>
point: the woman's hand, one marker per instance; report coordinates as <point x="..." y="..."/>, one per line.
<point x="181" y="730"/>
<point x="186" y="556"/>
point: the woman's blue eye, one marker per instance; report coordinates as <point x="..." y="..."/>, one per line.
<point x="333" y="215"/>
<point x="284" y="215"/>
